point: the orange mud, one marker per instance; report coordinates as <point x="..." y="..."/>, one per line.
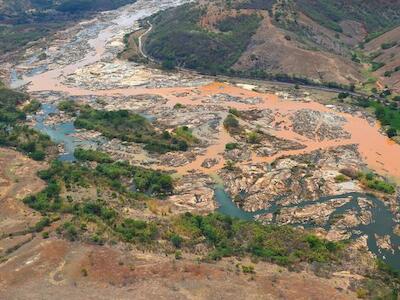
<point x="378" y="152"/>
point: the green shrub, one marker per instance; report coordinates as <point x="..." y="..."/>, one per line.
<point x="231" y="123"/>
<point x="176" y="240"/>
<point x="231" y="146"/>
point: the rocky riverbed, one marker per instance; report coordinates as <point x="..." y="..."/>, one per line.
<point x="293" y="160"/>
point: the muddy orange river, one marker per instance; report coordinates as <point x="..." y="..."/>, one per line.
<point x="379" y="153"/>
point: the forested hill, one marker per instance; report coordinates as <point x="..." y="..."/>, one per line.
<point x="305" y="40"/>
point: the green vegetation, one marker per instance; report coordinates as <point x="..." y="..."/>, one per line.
<point x="248" y="269"/>
<point x="137" y="231"/>
<point x="388" y="115"/>
<point x="226" y="236"/>
<point x="375" y="15"/>
<point x="32" y="107"/>
<point x="179" y="106"/>
<point x="253" y="137"/>
<point x="375" y="66"/>
<point x="68" y="106"/>
<point x="223" y="236"/>
<point x="13" y="133"/>
<point x="234" y="112"/>
<point x="341" y="178"/>
<point x="184" y="133"/>
<point x="128" y="126"/>
<point x="178" y="40"/>
<point x="64" y="177"/>
<point x="231" y="123"/>
<point x="369" y="180"/>
<point x="231" y="146"/>
<point x="78" y="6"/>
<point x="385" y="46"/>
<point x="92" y="155"/>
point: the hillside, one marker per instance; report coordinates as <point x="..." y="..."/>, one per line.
<point x="386" y="51"/>
<point x="22" y="21"/>
<point x="280" y="39"/>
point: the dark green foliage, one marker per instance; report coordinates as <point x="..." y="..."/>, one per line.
<point x="385" y="46"/>
<point x="177" y="40"/>
<point x="233" y="237"/>
<point x="376" y="16"/>
<point x="376" y="66"/>
<point x="130" y="127"/>
<point x="68" y="106"/>
<point x="137" y="231"/>
<point x="343" y="95"/>
<point x="78" y="6"/>
<point x="231" y="146"/>
<point x="375" y="183"/>
<point x="176" y="240"/>
<point x="231" y="123"/>
<point x="92" y="155"/>
<point x="168" y="64"/>
<point x="32" y="107"/>
<point x="234" y="112"/>
<point x="391" y="132"/>
<point x="99" y="210"/>
<point x="12" y="131"/>
<point x="69" y="231"/>
<point x="39" y="226"/>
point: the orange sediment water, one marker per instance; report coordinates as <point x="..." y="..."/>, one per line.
<point x="378" y="152"/>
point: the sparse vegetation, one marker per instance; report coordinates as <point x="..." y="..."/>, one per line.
<point x="130" y="127"/>
<point x="13" y="133"/>
<point x="176" y="38"/>
<point x="370" y="180"/>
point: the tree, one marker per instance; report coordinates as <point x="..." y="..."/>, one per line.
<point x="391" y="132"/>
<point x="343" y="95"/>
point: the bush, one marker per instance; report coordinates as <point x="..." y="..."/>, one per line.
<point x="253" y="137"/>
<point x="341" y="178"/>
<point x="178" y="254"/>
<point x="248" y="269"/>
<point x="92" y="155"/>
<point x="391" y="132"/>
<point x="176" y="240"/>
<point x="231" y="146"/>
<point x="137" y="231"/>
<point x="39" y="226"/>
<point x="234" y="112"/>
<point x="231" y="123"/>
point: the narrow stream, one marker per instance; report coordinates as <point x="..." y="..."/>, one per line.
<point x="382" y="220"/>
<point x="60" y="133"/>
